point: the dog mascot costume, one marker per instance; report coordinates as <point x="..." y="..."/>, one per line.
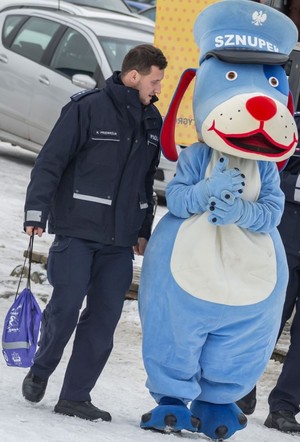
<point x="214" y="274"/>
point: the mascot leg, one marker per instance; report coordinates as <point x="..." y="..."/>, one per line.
<point x="171" y="359"/>
<point x="192" y="354"/>
<point x="218" y="421"/>
<point x="170" y="352"/>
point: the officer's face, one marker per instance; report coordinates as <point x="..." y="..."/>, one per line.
<point x="150" y="84"/>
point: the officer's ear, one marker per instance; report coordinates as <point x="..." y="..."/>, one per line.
<point x="131" y="78"/>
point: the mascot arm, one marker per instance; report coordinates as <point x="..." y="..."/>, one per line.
<point x="181" y="193"/>
<point x="262" y="215"/>
<point x="189" y="191"/>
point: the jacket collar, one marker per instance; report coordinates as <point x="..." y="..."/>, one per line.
<point x="123" y="93"/>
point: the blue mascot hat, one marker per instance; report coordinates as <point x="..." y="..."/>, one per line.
<point x="258" y="33"/>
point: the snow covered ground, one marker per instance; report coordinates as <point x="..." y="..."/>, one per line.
<point x="120" y="389"/>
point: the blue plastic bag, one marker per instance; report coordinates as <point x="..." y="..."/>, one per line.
<point x="22" y="324"/>
<point x="21" y="329"/>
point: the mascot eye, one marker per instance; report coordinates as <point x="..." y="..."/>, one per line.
<point x="273" y="81"/>
<point x="231" y="75"/>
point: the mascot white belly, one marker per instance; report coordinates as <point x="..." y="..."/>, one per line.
<point x="203" y="253"/>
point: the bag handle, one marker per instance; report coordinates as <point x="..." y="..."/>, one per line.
<point x="29" y="256"/>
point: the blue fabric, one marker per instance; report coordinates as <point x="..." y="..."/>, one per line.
<point x="215" y="416"/>
<point x="183" y="191"/>
<point x="208" y="330"/>
<point x="221" y="177"/>
<point x="181" y="418"/>
<point x="204" y="350"/>
<point x="278" y="34"/>
<point x="251" y="79"/>
<point x="201" y="349"/>
<point x="21" y="330"/>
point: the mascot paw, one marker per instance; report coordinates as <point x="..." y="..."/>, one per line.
<point x="219" y="421"/>
<point x="170" y="419"/>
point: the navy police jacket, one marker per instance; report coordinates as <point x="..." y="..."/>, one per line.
<point x="93" y="178"/>
<point x="289" y="226"/>
<point x="290" y="184"/>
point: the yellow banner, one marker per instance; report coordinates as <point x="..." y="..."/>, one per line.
<point x="174" y="36"/>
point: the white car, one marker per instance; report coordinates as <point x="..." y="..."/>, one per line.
<point x="112" y="10"/>
<point x="47" y="56"/>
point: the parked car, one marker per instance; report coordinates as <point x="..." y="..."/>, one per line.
<point x="136" y="6"/>
<point x="86" y="8"/>
<point x="148" y="2"/>
<point x="148" y="13"/>
<point x="47" y="56"/>
<point x="111" y="5"/>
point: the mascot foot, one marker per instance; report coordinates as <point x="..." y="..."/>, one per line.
<point x="170" y="417"/>
<point x="219" y="421"/>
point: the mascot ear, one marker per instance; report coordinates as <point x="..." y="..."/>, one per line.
<point x="167" y="136"/>
<point x="281" y="164"/>
<point x="290" y="104"/>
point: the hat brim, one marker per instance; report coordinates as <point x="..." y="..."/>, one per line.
<point x="248" y="57"/>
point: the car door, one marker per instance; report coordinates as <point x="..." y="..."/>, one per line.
<point x="73" y="59"/>
<point x="22" y="50"/>
<point x="16" y="81"/>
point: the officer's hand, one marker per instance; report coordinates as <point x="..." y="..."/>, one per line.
<point x="34" y="230"/>
<point x="140" y="247"/>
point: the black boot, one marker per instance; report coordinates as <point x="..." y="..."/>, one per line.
<point x="283" y="420"/>
<point x="82" y="409"/>
<point x="34" y="387"/>
<point x="248" y="403"/>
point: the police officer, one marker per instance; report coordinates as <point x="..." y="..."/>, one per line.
<point x="93" y="184"/>
<point x="284" y="399"/>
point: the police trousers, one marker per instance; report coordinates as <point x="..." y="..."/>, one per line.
<point x="98" y="275"/>
<point x="286" y="393"/>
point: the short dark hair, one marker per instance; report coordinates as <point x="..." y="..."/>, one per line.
<point x="141" y="58"/>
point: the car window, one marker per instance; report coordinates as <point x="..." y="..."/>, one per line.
<point x="149" y="2"/>
<point x="33" y="38"/>
<point x="10" y="24"/>
<point x="149" y="13"/>
<point x="115" y="50"/>
<point x="74" y="55"/>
